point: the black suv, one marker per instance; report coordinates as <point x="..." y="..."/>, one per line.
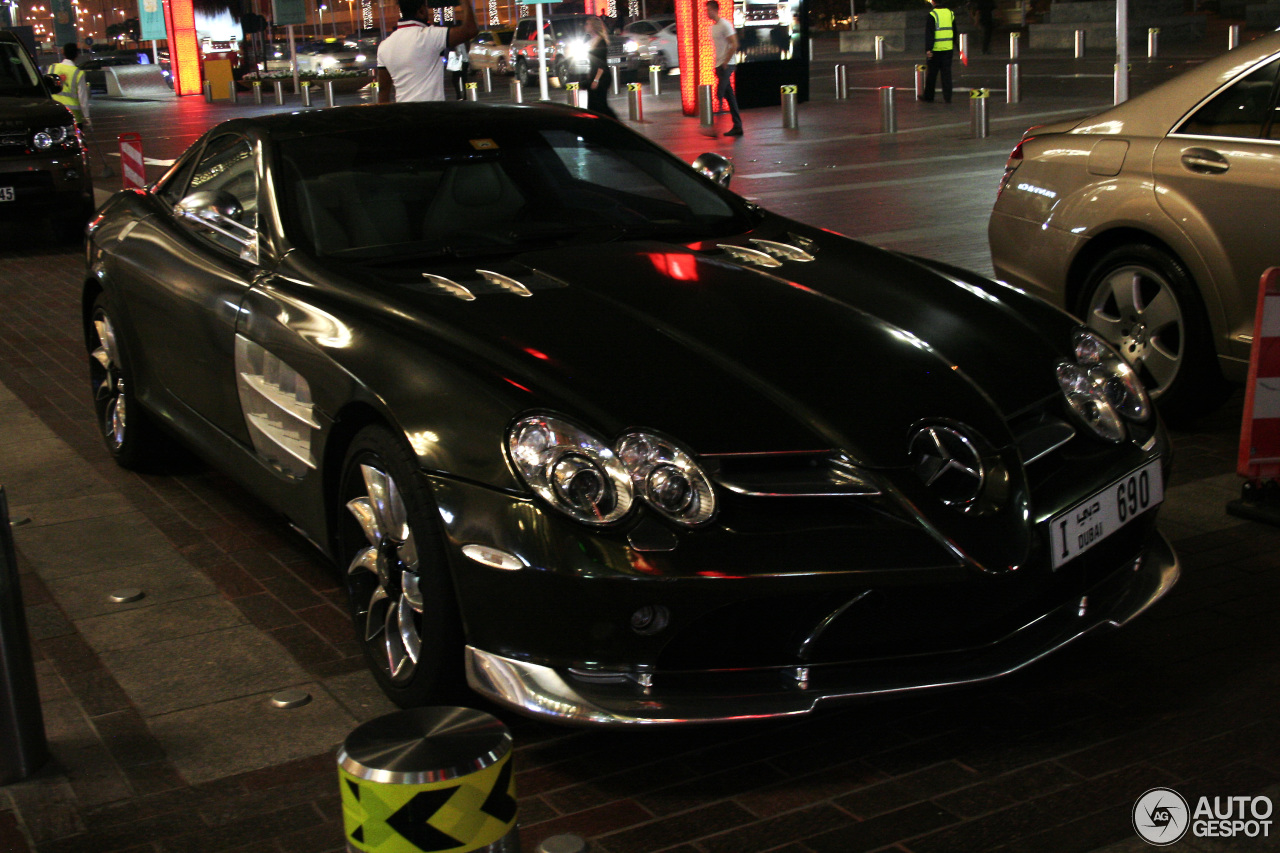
<point x="43" y="170"/>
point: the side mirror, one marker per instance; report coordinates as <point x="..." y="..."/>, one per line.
<point x="219" y="211"/>
<point x="54" y="82"/>
<point x="717" y="167"/>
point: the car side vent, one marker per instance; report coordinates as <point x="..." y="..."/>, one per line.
<point x="276" y="401"/>
<point x="491" y="283"/>
<point x="793" y="475"/>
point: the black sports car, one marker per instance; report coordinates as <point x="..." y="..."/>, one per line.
<point x="613" y="445"/>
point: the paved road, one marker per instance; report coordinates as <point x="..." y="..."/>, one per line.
<point x="156" y="710"/>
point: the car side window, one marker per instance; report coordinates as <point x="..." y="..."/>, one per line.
<point x="228" y="165"/>
<point x="1243" y="110"/>
<point x="173" y="186"/>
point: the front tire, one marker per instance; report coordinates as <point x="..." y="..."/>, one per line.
<point x="398" y="582"/>
<point x="1142" y="300"/>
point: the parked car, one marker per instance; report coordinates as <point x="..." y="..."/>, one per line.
<point x="94" y="67"/>
<point x="582" y="427"/>
<point x="492" y="49"/>
<point x="330" y="56"/>
<point x="565" y="42"/>
<point x="43" y="168"/>
<point x="639" y="37"/>
<point x="1149" y="221"/>
<point x="664" y="47"/>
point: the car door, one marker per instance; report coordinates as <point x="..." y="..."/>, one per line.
<point x="185" y="282"/>
<point x="1217" y="174"/>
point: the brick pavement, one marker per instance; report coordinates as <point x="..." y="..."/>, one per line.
<point x="1050" y="759"/>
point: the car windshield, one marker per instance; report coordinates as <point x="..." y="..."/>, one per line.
<point x="18" y="77"/>
<point x="483" y="188"/>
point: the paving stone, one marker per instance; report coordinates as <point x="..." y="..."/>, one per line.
<point x="162" y="620"/>
<point x="87" y="595"/>
<point x="46" y="469"/>
<point x="51" y="512"/>
<point x="216" y="739"/>
<point x="184" y="673"/>
<point x="360" y="695"/>
<point x="91" y="545"/>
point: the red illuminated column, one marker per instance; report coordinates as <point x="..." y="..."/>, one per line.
<point x="184" y="48"/>
<point x="598" y="7"/>
<point x="697" y="53"/>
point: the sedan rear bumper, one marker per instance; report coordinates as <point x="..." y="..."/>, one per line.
<point x="650" y="697"/>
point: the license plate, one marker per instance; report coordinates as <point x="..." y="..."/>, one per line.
<point x="6" y="193"/>
<point x="1094" y="519"/>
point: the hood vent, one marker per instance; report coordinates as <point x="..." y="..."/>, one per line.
<point x="783" y="251"/>
<point x="491" y="283"/>
<point x="750" y="256"/>
<point x="794" y="475"/>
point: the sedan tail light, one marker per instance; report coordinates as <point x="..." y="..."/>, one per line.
<point x="1015" y="160"/>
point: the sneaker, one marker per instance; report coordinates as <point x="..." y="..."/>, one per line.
<point x="733" y="131"/>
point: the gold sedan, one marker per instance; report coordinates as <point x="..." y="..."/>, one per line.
<point x="1154" y="220"/>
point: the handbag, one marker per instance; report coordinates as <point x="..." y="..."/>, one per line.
<point x="455" y="61"/>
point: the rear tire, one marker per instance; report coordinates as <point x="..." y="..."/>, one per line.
<point x="127" y="429"/>
<point x="1143" y="301"/>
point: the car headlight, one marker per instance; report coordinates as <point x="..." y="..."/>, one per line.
<point x="47" y="137"/>
<point x="570" y="469"/>
<point x="1101" y="388"/>
<point x="575" y="49"/>
<point x="667" y="478"/>
<point x="1116" y="377"/>
<point x="360" y="57"/>
<point x="630" y="46"/>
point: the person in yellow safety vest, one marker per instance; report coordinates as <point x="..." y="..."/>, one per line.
<point x="940" y="40"/>
<point x="74" y="94"/>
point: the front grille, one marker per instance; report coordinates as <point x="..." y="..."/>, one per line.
<point x="13" y="139"/>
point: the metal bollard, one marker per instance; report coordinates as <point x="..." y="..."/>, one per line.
<point x="486" y="76"/>
<point x="517" y="91"/>
<point x="1012" y="83"/>
<point x="879" y="48"/>
<point x="398" y="770"/>
<point x="473" y="91"/>
<point x="208" y="92"/>
<point x="842" y="83"/>
<point x="790" y="97"/>
<point x="571" y="94"/>
<point x="1233" y="37"/>
<point x="888" y="110"/>
<point x="306" y="93"/>
<point x="635" y="104"/>
<point x="655" y="79"/>
<point x="1080" y="44"/>
<point x="328" y="93"/>
<point x="962" y="42"/>
<point x="257" y="91"/>
<point x="615" y="79"/>
<point x="1153" y="42"/>
<point x="706" y="105"/>
<point x="1013" y="44"/>
<point x="920" y="72"/>
<point x="279" y="93"/>
<point x="23" y="746"/>
<point x="231" y="92"/>
<point x="978" y="123"/>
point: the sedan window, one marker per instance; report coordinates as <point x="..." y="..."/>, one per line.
<point x="1242" y="110"/>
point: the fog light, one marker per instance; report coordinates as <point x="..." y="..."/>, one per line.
<point x="650" y="619"/>
<point x="71" y="175"/>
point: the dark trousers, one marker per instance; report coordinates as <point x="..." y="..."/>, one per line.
<point x="598" y="98"/>
<point x="724" y="92"/>
<point x="940" y="61"/>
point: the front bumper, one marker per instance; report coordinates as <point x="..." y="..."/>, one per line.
<point x="659" y="697"/>
<point x="44" y="184"/>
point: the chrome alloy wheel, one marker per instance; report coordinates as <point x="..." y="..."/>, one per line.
<point x="393" y="613"/>
<point x="108" y="382"/>
<point x="1137" y="311"/>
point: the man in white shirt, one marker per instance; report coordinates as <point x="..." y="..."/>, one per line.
<point x="410" y="63"/>
<point x="725" y="39"/>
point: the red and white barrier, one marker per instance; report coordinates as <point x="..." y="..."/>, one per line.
<point x="1260" y="431"/>
<point x="131" y="165"/>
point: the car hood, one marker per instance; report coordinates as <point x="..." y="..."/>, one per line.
<point x="31" y="111"/>
<point x="848" y="351"/>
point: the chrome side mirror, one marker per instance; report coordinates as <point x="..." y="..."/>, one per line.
<point x="717" y="167"/>
<point x="219" y="211"/>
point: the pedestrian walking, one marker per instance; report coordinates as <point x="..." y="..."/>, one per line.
<point x="74" y="94"/>
<point x="725" y="39"/>
<point x="984" y="14"/>
<point x="411" y="59"/>
<point x="598" y="56"/>
<point x="940" y="37"/>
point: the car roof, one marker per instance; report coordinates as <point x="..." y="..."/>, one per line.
<point x="1155" y="112"/>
